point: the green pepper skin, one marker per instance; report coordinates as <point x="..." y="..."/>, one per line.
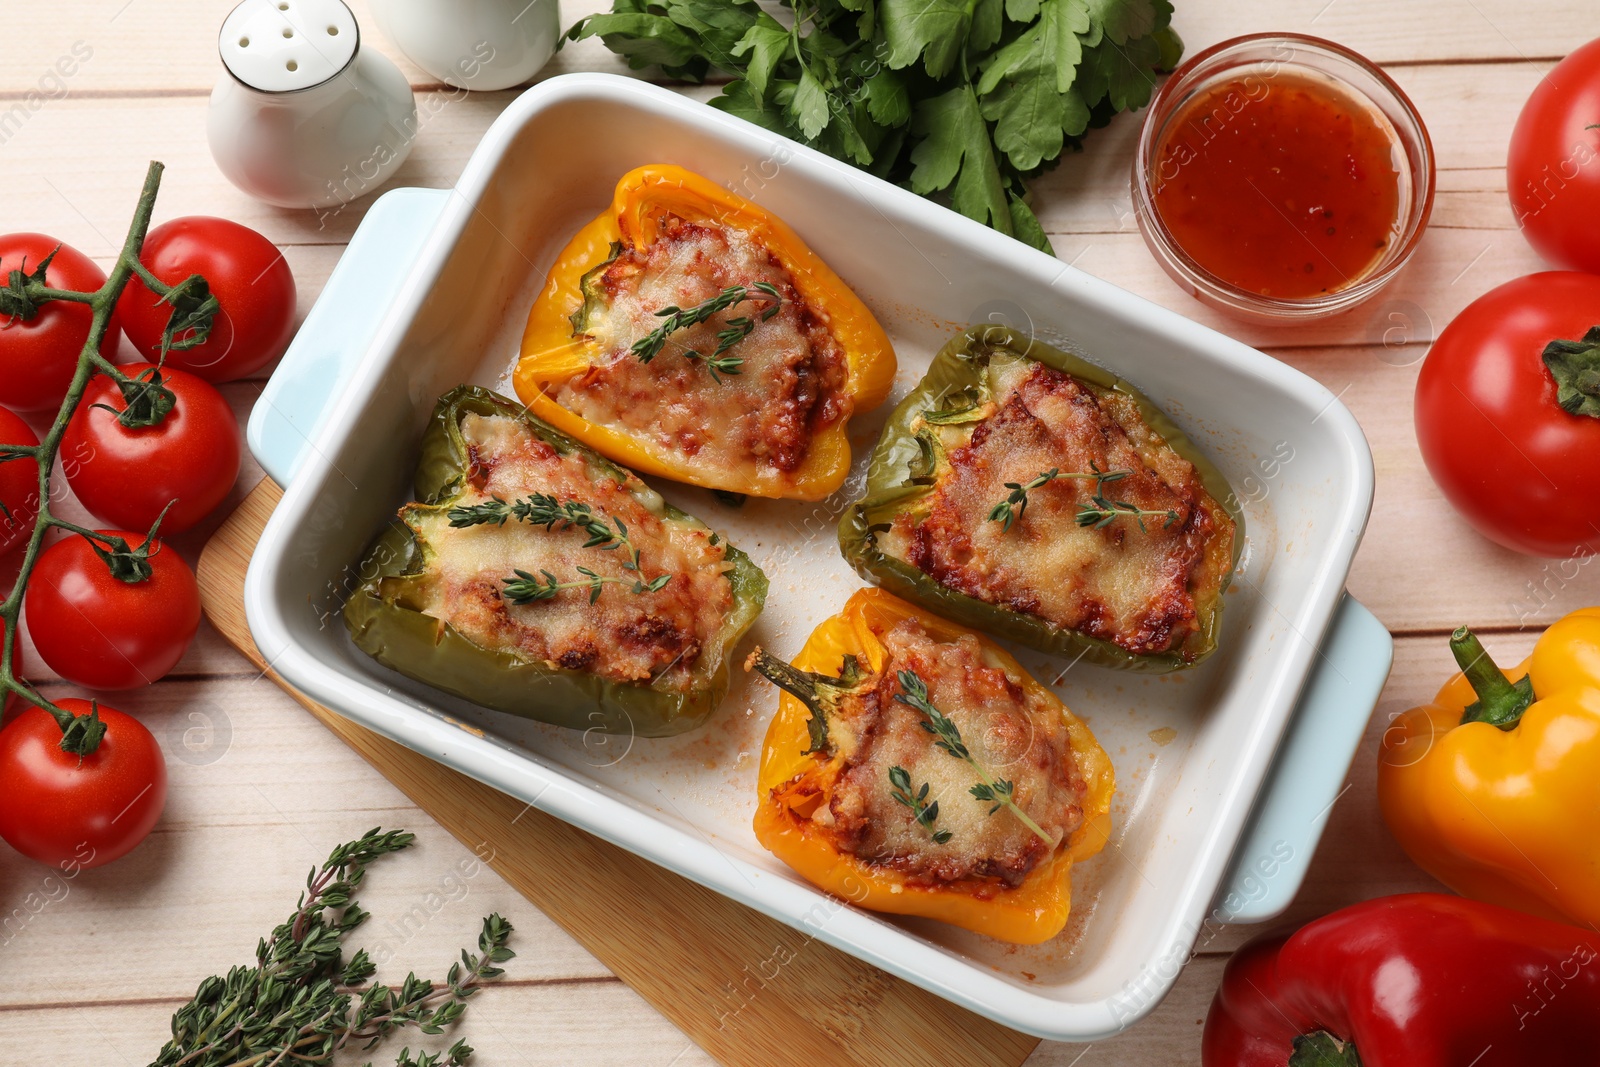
<point x="893" y="484"/>
<point x="384" y="627"/>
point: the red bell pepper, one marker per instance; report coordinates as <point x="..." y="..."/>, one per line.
<point x="1421" y="980"/>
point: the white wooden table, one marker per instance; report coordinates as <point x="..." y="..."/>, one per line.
<point x="91" y="969"/>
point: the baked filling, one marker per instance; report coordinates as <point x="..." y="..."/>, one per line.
<point x="1139" y="578"/>
<point x="1014" y="735"/>
<point x="760" y="415"/>
<point x="624" y="633"/>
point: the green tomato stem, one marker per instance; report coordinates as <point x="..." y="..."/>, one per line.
<point x="80" y="733"/>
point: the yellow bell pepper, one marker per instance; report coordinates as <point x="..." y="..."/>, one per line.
<point x="1493" y="787"/>
<point x="553" y="353"/>
<point x="792" y="782"/>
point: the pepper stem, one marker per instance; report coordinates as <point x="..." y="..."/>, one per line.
<point x="806" y="687"/>
<point x="1575" y="365"/>
<point x="1500" y="702"/>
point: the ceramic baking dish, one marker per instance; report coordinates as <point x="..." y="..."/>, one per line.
<point x="1225" y="773"/>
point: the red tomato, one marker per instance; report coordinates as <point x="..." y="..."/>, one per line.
<point x="39" y="356"/>
<point x="98" y="631"/>
<point x="248" y="276"/>
<point x="63" y="810"/>
<point x="125" y="476"/>
<point x="1553" y="170"/>
<point x="19" y="484"/>
<point x="1518" y="467"/>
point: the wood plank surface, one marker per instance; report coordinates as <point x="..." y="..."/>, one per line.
<point x="260" y="789"/>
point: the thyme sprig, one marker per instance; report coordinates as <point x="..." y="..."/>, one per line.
<point x="303" y="1000"/>
<point x="543" y="509"/>
<point x="1012" y="507"/>
<point x="1101" y="512"/>
<point x="924" y="812"/>
<point x="146" y="403"/>
<point x="525" y="588"/>
<point x="737" y="329"/>
<point x="998" y="791"/>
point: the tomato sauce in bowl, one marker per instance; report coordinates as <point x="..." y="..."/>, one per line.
<point x="1285" y="187"/>
<point x="1282" y="178"/>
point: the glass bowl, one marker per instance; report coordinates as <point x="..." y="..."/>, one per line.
<point x="1266" y="56"/>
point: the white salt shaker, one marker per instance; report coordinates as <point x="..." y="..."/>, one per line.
<point x="473" y="44"/>
<point x="303" y="116"/>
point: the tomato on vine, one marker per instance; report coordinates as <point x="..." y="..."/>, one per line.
<point x="40" y="339"/>
<point x="126" y="469"/>
<point x="65" y="808"/>
<point x="243" y="270"/>
<point x="19" y="482"/>
<point x="113" y="612"/>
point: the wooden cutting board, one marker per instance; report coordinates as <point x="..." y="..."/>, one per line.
<point x="698" y="957"/>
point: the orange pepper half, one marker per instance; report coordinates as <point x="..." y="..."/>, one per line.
<point x="1493" y="787"/>
<point x="552" y="354"/>
<point x="792" y="783"/>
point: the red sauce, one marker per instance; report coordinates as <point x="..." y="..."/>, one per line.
<point x="1281" y="185"/>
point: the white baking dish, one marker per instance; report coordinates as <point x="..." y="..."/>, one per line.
<point x="1215" y="819"/>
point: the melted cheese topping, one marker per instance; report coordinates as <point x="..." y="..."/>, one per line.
<point x="652" y="637"/>
<point x="1014" y="733"/>
<point x="1139" y="588"/>
<point x="789" y="387"/>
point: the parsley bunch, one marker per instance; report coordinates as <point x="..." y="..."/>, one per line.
<point x="959" y="99"/>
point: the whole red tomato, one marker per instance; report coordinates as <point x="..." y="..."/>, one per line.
<point x="248" y="276"/>
<point x="63" y="809"/>
<point x="1553" y="170"/>
<point x="19" y="484"/>
<point x="99" y="631"/>
<point x="1519" y="468"/>
<point x="38" y="356"/>
<point x="126" y="475"/>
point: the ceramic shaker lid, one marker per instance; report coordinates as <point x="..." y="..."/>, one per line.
<point x="278" y="46"/>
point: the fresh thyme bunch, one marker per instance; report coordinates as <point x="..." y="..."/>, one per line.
<point x="303" y="1000"/>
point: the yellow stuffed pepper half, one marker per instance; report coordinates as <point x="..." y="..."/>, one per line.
<point x="914" y="767"/>
<point x="689" y="333"/>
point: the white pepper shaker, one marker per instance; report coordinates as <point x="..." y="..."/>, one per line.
<point x="473" y="44"/>
<point x="303" y="116"/>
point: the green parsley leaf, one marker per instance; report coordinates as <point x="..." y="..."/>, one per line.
<point x="809" y="108"/>
<point x="767" y="44"/>
<point x="956" y="148"/>
<point x="934" y="30"/>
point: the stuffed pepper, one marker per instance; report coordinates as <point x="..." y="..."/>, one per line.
<point x="1491" y="788"/>
<point x="914" y="767"/>
<point x="535" y="577"/>
<point x="1420" y="980"/>
<point x="690" y="334"/>
<point x="1023" y="491"/>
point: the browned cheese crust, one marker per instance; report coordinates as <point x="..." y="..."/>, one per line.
<point x="624" y="636"/>
<point x="1137" y="587"/>
<point x="1014" y="734"/>
<point x="789" y="388"/>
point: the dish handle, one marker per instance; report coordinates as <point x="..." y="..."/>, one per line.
<point x="337" y="332"/>
<point x="1308" y="772"/>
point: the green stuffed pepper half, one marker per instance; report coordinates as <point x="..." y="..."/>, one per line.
<point x="1025" y="492"/>
<point x="535" y="577"/>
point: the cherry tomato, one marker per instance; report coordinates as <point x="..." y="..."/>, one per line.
<point x="1553" y="169"/>
<point x="1519" y="468"/>
<point x="248" y="276"/>
<point x="39" y="356"/>
<point x="19" y="484"/>
<point x="125" y="476"/>
<point x="98" y="631"/>
<point x="61" y="809"/>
